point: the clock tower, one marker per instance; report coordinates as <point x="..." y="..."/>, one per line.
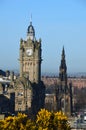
<point x="30" y="56"/>
<point x="29" y="89"/>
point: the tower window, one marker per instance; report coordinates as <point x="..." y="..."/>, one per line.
<point x="20" y="93"/>
<point x="19" y="102"/>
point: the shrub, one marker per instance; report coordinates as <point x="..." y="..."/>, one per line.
<point x="45" y="121"/>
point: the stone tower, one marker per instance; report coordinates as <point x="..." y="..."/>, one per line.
<point x="30" y="56"/>
<point x="63" y="91"/>
<point x="30" y="90"/>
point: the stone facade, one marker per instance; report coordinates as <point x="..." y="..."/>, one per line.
<point x="30" y="56"/>
<point x="50" y="102"/>
<point x="23" y="95"/>
<point x="77" y="82"/>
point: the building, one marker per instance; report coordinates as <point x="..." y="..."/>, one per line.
<point x="7" y="96"/>
<point x="26" y="93"/>
<point x="29" y="89"/>
<point x="50" y="102"/>
<point x="63" y="90"/>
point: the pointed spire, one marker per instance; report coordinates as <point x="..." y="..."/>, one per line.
<point x="63" y="53"/>
<point x="63" y="67"/>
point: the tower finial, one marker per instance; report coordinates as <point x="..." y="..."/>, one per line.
<point x="30" y="30"/>
<point x="31" y="18"/>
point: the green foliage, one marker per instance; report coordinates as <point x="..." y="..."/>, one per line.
<point x="45" y="121"/>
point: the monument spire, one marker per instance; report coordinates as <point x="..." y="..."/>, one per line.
<point x="63" y="67"/>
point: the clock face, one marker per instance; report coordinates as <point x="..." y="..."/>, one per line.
<point x="29" y="52"/>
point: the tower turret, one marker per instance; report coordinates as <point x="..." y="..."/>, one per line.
<point x="31" y="32"/>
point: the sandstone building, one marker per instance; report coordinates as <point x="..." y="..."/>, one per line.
<point x="26" y="93"/>
<point x="29" y="89"/>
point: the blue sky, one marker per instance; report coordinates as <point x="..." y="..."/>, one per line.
<point x="56" y="22"/>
